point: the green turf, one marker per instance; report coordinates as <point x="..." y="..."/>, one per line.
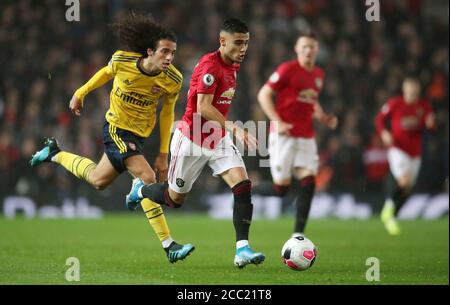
<point x="123" y="249"/>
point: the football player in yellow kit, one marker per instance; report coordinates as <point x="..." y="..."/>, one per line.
<point x="143" y="75"/>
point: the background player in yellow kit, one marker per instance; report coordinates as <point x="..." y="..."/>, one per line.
<point x="142" y="75"/>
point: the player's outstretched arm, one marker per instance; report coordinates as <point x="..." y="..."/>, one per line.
<point x="99" y="79"/>
<point x="430" y="122"/>
<point x="75" y="105"/>
<point x="380" y="124"/>
<point x="265" y="99"/>
<point x="387" y="138"/>
<point x="210" y="113"/>
<point x="166" y="118"/>
<point x="329" y="120"/>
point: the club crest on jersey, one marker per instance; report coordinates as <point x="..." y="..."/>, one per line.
<point x="180" y="182"/>
<point x="208" y="79"/>
<point x="319" y="83"/>
<point x="156" y="89"/>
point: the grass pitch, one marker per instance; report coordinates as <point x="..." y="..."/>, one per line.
<point x="122" y="249"/>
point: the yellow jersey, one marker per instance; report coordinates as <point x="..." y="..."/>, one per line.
<point x="134" y="96"/>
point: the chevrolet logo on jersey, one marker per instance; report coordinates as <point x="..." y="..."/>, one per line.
<point x="410" y="123"/>
<point x="309" y="96"/>
<point x="228" y="94"/>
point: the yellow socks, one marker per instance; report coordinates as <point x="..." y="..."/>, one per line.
<point x="156" y="218"/>
<point x="81" y="167"/>
<point x="77" y="165"/>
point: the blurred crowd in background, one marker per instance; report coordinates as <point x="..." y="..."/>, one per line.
<point x="44" y="59"/>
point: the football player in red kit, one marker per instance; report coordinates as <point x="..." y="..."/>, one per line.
<point x="202" y="139"/>
<point x="409" y="116"/>
<point x="292" y="145"/>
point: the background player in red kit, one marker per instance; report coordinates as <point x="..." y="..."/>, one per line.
<point x="292" y="146"/>
<point x="201" y="139"/>
<point x="409" y="116"/>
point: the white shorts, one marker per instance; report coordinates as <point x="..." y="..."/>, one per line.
<point x="402" y="164"/>
<point x="288" y="153"/>
<point x="188" y="160"/>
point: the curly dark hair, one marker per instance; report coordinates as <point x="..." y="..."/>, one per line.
<point x="138" y="33"/>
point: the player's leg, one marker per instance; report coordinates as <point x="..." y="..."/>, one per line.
<point x="98" y="175"/>
<point x="184" y="170"/>
<point x="160" y="193"/>
<point x="405" y="184"/>
<point x="281" y="151"/>
<point x="303" y="199"/>
<point x="405" y="171"/>
<point x="103" y="174"/>
<point x="275" y="188"/>
<point x="306" y="168"/>
<point x="390" y="208"/>
<point x="139" y="168"/>
<point x="241" y="186"/>
<point x="227" y="163"/>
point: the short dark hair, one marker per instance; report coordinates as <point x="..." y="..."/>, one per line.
<point x="233" y="25"/>
<point x="308" y="34"/>
<point x="139" y="32"/>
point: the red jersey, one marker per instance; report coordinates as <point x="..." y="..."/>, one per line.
<point x="297" y="90"/>
<point x="211" y="76"/>
<point x="407" y="123"/>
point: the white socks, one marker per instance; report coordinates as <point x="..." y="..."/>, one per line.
<point x="166" y="242"/>
<point x="241" y="243"/>
<point x="297" y="234"/>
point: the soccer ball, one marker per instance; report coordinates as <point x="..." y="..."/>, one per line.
<point x="298" y="253"/>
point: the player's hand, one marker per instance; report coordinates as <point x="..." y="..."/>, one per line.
<point x="249" y="141"/>
<point x="430" y="122"/>
<point x="76" y="105"/>
<point x="162" y="166"/>
<point x="282" y="127"/>
<point x="387" y="139"/>
<point x="331" y="121"/>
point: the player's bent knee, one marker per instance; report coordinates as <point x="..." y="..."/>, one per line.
<point x="100" y="184"/>
<point x="148" y="178"/>
<point x="244" y="186"/>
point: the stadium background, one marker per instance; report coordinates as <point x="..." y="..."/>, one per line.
<point x="44" y="58"/>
